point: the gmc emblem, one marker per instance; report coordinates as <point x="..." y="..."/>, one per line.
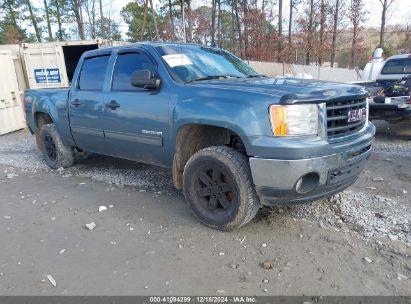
<point x="356" y="115"/>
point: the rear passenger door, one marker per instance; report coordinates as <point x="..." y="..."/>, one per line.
<point x="87" y="105"/>
<point x="137" y="128"/>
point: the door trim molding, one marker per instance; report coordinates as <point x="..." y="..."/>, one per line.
<point x="88" y="131"/>
<point x="141" y="139"/>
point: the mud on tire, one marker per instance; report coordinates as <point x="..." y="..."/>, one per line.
<point x="218" y="185"/>
<point x="56" y="154"/>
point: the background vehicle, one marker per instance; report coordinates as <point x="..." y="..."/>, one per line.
<point x="390" y="93"/>
<point x="234" y="139"/>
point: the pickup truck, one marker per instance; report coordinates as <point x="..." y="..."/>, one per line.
<point x="391" y="91"/>
<point x="234" y="140"/>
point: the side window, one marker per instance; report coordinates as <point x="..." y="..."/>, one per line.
<point x="127" y="64"/>
<point x="92" y="73"/>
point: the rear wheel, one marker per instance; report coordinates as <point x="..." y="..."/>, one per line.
<point x="218" y="185"/>
<point x="56" y="154"/>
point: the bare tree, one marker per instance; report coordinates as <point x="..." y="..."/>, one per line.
<point x="170" y="11"/>
<point x="280" y="29"/>
<point x="33" y="20"/>
<point x="310" y="33"/>
<point x="322" y="30"/>
<point x="144" y="20"/>
<point x="244" y="5"/>
<point x="102" y="21"/>
<point x="58" y="15"/>
<point x="46" y="10"/>
<point x="386" y="4"/>
<point x="153" y="14"/>
<point x="290" y="24"/>
<point x="237" y="19"/>
<point x="336" y="18"/>
<point x="76" y="8"/>
<point x="189" y="21"/>
<point x="183" y="20"/>
<point x="91" y="15"/>
<point x="219" y="23"/>
<point x="357" y="15"/>
<point x="213" y="16"/>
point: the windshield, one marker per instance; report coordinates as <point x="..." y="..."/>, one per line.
<point x="191" y="63"/>
<point x="397" y="66"/>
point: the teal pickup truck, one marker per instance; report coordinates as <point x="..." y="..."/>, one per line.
<point x="235" y="140"/>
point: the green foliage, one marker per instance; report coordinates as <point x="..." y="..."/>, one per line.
<point x="133" y="16"/>
<point x="10" y="29"/>
<point x="389" y="50"/>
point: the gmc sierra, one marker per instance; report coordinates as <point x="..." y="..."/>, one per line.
<point x="235" y="140"/>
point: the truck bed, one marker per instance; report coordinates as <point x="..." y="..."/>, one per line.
<point x="47" y="101"/>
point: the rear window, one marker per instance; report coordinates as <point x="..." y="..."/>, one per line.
<point x="397" y="66"/>
<point x="92" y="73"/>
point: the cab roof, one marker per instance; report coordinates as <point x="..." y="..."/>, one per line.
<point x="144" y="44"/>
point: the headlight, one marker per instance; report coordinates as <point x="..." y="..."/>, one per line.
<point x="294" y="120"/>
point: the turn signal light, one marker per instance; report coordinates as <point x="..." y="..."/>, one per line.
<point x="278" y="117"/>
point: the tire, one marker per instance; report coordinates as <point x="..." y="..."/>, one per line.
<point x="56" y="154"/>
<point x="38" y="139"/>
<point x="218" y="185"/>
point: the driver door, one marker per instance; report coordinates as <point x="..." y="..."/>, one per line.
<point x="137" y="127"/>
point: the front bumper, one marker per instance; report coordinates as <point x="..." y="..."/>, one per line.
<point x="287" y="182"/>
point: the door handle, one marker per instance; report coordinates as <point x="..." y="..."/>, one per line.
<point x="113" y="105"/>
<point x="76" y="102"/>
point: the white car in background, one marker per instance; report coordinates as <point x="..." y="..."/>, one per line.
<point x="390" y="93"/>
<point x="394" y="69"/>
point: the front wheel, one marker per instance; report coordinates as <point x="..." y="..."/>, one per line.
<point x="218" y="185"/>
<point x="55" y="152"/>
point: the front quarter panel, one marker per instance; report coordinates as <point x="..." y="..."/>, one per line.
<point x="246" y="114"/>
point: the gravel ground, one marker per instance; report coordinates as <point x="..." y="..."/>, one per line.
<point x="372" y="217"/>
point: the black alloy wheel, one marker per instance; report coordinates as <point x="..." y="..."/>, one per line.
<point x="50" y="147"/>
<point x="215" y="189"/>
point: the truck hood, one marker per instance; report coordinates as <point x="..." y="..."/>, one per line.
<point x="288" y="90"/>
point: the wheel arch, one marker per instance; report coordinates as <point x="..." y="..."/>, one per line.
<point x="41" y="118"/>
<point x="191" y="138"/>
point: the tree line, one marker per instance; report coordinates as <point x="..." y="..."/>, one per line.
<point x="307" y="32"/>
<point x="53" y="21"/>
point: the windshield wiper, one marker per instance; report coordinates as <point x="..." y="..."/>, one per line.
<point x="256" y="76"/>
<point x="210" y="77"/>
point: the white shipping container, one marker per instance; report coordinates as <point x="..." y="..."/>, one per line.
<point x="11" y="112"/>
<point x="52" y="64"/>
<point x="37" y="66"/>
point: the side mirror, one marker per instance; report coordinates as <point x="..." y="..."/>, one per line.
<point x="144" y="79"/>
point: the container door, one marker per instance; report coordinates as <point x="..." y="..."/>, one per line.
<point x="45" y="66"/>
<point x="11" y="113"/>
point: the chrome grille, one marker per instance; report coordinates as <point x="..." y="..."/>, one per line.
<point x="337" y="117"/>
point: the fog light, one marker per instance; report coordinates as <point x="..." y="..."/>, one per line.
<point x="307" y="183"/>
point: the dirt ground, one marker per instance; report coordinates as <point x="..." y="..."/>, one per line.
<point x="148" y="243"/>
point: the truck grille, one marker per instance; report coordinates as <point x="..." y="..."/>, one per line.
<point x="337" y="117"/>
